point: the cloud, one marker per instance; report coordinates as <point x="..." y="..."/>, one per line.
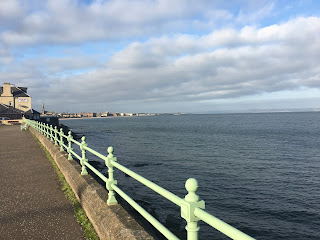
<point x="61" y="65"/>
<point x="9" y="10"/>
<point x="173" y="51"/>
<point x="71" y="21"/>
<point x="188" y="68"/>
<point x="5" y="56"/>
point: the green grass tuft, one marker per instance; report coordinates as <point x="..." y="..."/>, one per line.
<point x="82" y="218"/>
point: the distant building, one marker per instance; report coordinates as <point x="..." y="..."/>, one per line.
<point x="50" y="120"/>
<point x="16" y="103"/>
<point x="15" y="97"/>
<point x="89" y="114"/>
<point x="106" y="114"/>
<point x="32" y="114"/>
<point x="10" y="112"/>
<point x="43" y="110"/>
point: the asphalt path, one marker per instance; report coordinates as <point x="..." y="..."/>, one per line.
<point x="32" y="204"/>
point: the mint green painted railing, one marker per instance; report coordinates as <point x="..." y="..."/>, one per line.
<point x="192" y="208"/>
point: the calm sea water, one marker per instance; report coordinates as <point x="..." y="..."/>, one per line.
<point x="257" y="172"/>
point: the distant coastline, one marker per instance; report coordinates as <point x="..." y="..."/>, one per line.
<point x="105" y="117"/>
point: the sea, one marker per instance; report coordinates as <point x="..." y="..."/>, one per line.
<point x="258" y="172"/>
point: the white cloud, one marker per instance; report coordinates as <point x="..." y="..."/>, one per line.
<point x="170" y="64"/>
<point x="69" y="21"/>
<point x="10" y="9"/>
<point x="188" y="68"/>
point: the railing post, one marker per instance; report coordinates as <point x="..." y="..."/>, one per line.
<point x="48" y="133"/>
<point x="69" y="145"/>
<point x="111" y="195"/>
<point x="55" y="136"/>
<point x="51" y="133"/>
<point x="188" y="205"/>
<point x="61" y="140"/>
<point x="83" y="159"/>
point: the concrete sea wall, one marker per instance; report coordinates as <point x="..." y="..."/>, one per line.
<point x="110" y="222"/>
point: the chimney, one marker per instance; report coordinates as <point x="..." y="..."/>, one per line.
<point x="6" y="91"/>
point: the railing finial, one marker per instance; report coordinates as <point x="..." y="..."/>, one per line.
<point x="110" y="151"/>
<point x="191" y="186"/>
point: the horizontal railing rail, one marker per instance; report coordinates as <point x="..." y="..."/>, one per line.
<point x="192" y="209"/>
<point x="163" y="192"/>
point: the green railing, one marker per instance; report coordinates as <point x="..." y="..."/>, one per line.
<point x="192" y="209"/>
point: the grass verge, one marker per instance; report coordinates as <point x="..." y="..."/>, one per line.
<point x="82" y="218"/>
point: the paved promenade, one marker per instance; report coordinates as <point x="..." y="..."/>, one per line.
<point x="32" y="204"/>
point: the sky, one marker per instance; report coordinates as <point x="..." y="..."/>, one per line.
<point x="158" y="56"/>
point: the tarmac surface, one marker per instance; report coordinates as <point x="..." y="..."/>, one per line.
<point x="32" y="204"/>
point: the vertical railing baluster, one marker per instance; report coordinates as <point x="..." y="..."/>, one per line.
<point x="69" y="146"/>
<point x="51" y="133"/>
<point x="48" y="131"/>
<point x="84" y="157"/>
<point x="111" y="195"/>
<point x="188" y="205"/>
<point x="55" y="136"/>
<point x="61" y="140"/>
